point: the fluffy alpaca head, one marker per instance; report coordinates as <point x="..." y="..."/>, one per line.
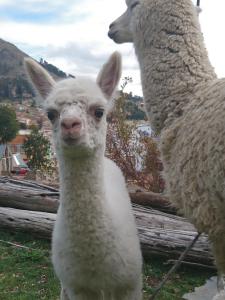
<point x="138" y="11"/>
<point x="77" y="107"/>
<point x="121" y="29"/>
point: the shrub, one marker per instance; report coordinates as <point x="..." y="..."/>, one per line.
<point x="135" y="153"/>
<point x="37" y="149"/>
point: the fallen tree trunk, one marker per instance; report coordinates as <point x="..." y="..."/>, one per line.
<point x="34" y="222"/>
<point x="37" y="197"/>
<point x="150" y="199"/>
<point x="161" y="234"/>
<point x="168" y="235"/>
<point x="28" y="195"/>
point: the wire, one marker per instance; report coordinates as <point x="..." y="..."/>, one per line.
<point x="175" y="267"/>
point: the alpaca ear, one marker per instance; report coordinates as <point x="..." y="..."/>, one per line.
<point x="39" y="77"/>
<point x="109" y="76"/>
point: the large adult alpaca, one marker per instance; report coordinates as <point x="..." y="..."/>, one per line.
<point x="185" y="103"/>
<point x="96" y="252"/>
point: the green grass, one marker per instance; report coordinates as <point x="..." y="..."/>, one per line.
<point x="28" y="274"/>
<point x="181" y="282"/>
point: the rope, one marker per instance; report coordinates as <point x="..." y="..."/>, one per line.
<point x="174" y="268"/>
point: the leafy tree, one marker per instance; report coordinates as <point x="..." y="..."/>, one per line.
<point x="133" y="112"/>
<point x="8" y="124"/>
<point x="8" y="128"/>
<point x="136" y="154"/>
<point x="37" y="149"/>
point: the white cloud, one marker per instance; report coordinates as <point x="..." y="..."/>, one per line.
<point x="213" y="23"/>
<point x="76" y="40"/>
<point x="78" y="46"/>
<point x="33" y="5"/>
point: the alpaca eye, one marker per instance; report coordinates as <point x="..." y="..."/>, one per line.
<point x="52" y="115"/>
<point x="134" y="5"/>
<point x="99" y="113"/>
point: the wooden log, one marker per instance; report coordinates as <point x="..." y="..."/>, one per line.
<point x="38" y="197"/>
<point x="34" y="222"/>
<point x="150" y="199"/>
<point x="161" y="234"/>
<point x="28" y="195"/>
<point x="168" y="235"/>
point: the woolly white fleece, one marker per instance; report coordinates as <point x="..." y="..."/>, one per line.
<point x="95" y="248"/>
<point x="185" y="103"/>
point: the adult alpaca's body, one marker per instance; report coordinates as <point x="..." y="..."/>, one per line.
<point x="96" y="253"/>
<point x="185" y="103"/>
<point x="170" y="51"/>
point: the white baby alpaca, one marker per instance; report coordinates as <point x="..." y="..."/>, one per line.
<point x="96" y="252"/>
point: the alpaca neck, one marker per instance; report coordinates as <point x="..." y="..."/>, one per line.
<point x="84" y="210"/>
<point x="81" y="182"/>
<point x="172" y="57"/>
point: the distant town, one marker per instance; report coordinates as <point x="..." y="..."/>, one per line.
<point x="17" y="92"/>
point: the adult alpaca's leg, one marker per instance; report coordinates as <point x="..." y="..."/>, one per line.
<point x="219" y="253"/>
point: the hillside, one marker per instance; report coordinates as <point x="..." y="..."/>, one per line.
<point x="13" y="80"/>
<point x="14" y="85"/>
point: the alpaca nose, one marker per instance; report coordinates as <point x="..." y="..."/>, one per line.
<point x="111" y="34"/>
<point x="71" y="125"/>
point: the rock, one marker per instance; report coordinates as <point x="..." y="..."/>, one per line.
<point x="205" y="292"/>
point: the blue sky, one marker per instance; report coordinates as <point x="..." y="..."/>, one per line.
<point x="37" y="11"/>
<point x="72" y="34"/>
<point x="20" y="15"/>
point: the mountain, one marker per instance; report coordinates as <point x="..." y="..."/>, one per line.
<point x="14" y="84"/>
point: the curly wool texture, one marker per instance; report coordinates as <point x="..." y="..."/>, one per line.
<point x="172" y="57"/>
<point x="95" y="247"/>
<point x="185" y="102"/>
<point x="193" y="152"/>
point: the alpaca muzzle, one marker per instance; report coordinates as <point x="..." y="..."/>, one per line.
<point x="71" y="127"/>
